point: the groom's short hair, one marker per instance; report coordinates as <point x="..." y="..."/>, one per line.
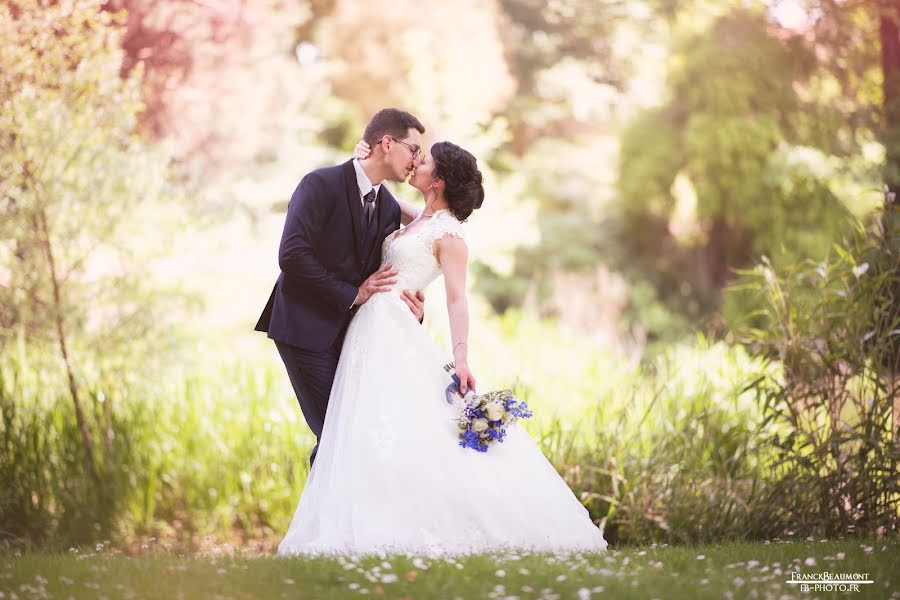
<point x="393" y="122"/>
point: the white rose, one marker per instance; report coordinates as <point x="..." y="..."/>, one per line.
<point x="479" y="425"/>
<point x="494" y="412"/>
<point x="507" y="417"/>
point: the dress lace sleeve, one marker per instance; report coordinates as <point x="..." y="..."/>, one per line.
<point x="442" y="224"/>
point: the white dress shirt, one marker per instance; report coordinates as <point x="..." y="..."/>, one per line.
<point x="365" y="186"/>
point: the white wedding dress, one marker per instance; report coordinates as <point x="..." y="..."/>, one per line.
<point x="390" y="476"/>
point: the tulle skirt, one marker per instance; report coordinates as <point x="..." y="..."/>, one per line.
<point x="390" y="476"/>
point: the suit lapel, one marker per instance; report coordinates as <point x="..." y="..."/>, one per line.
<point x="355" y="208"/>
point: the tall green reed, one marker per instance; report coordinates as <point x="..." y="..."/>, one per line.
<point x="48" y="498"/>
<point x="191" y="452"/>
<point x="675" y="450"/>
<point x="668" y="451"/>
<point x="834" y="405"/>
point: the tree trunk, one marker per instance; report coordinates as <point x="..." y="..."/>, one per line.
<point x="890" y="66"/>
<point x="41" y="222"/>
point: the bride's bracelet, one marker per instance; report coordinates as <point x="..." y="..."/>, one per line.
<point x="460" y="344"/>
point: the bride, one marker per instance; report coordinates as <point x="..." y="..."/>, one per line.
<point x="389" y="475"/>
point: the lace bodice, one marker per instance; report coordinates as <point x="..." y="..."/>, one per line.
<point x="411" y="249"/>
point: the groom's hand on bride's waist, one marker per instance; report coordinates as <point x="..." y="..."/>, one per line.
<point x="416" y="303"/>
<point x="379" y="281"/>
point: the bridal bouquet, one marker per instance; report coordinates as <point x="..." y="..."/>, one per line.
<point x="483" y="418"/>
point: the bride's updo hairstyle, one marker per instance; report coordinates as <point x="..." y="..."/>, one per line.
<point x="463" y="189"/>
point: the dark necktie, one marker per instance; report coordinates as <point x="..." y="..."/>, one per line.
<point x="369" y="206"/>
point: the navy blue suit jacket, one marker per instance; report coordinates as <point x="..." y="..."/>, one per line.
<point x="324" y="258"/>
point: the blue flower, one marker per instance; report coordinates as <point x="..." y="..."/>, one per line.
<point x="475" y="408"/>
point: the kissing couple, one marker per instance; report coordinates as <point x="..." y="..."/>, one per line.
<point x="387" y="474"/>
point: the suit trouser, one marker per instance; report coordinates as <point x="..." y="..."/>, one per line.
<point x="312" y="374"/>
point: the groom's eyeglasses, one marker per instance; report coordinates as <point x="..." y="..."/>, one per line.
<point x="413" y="149"/>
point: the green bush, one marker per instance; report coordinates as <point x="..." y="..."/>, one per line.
<point x="834" y="403"/>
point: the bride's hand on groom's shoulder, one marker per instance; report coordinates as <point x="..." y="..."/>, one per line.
<point x="416" y="303"/>
<point x="361" y="150"/>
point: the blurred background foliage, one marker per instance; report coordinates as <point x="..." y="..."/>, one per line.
<point x="686" y="262"/>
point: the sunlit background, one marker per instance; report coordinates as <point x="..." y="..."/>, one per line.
<point x="685" y="255"/>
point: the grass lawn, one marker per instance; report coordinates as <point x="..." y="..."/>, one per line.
<point x="734" y="570"/>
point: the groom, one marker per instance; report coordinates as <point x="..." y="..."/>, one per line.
<point x="329" y="254"/>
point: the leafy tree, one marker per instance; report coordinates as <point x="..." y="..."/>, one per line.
<point x="735" y="128"/>
<point x="220" y="80"/>
<point x="542" y="36"/>
<point x="79" y="187"/>
<point x="563" y="58"/>
<point x="391" y="54"/>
